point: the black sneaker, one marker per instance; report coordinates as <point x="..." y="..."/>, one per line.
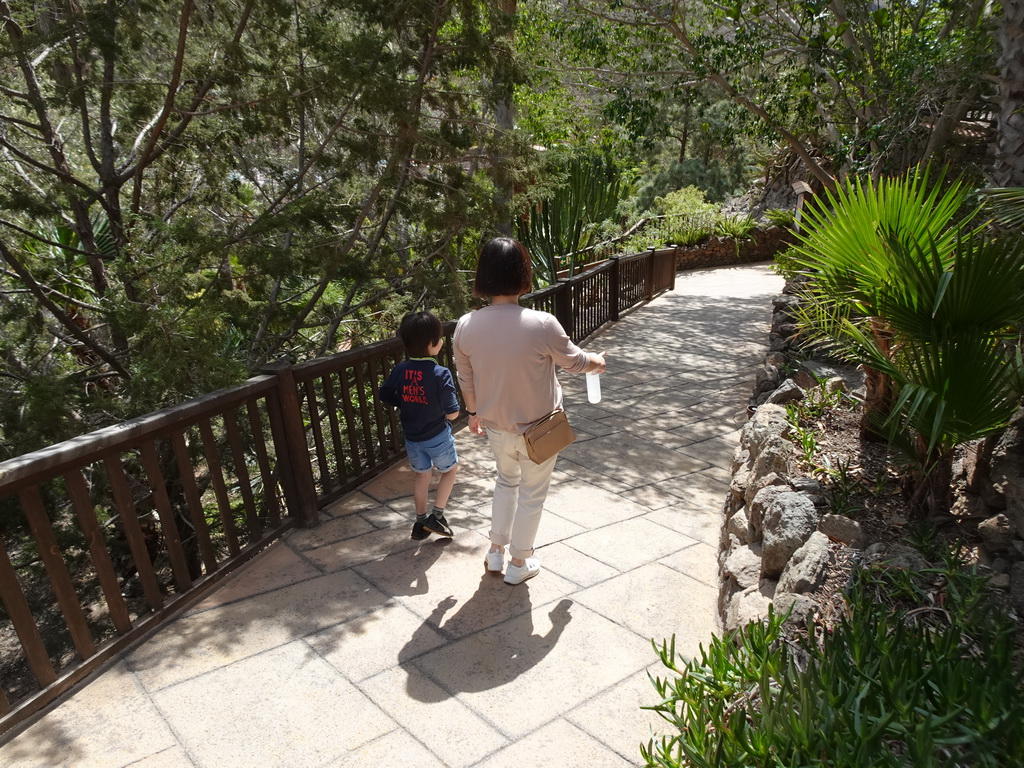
<point x="419" y="532"/>
<point x="435" y="523"/>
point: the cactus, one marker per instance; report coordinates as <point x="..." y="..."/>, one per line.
<point x="557" y="228"/>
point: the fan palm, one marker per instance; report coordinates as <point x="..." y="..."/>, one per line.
<point x="928" y="307"/>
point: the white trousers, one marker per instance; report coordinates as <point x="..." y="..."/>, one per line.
<point x="519" y="493"/>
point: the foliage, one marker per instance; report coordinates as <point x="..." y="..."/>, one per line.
<point x="570" y="219"/>
<point x="780" y="217"/>
<point x="897" y="682"/>
<point x="737" y="227"/>
<point x="851" y="86"/>
<point x="189" y="193"/>
<point x="927" y="303"/>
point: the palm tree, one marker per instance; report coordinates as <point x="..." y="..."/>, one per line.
<point x="929" y="307"/>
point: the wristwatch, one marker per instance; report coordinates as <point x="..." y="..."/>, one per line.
<point x="471" y="413"/>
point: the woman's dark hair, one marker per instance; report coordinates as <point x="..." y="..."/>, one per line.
<point x="418" y="331"/>
<point x="504" y="269"/>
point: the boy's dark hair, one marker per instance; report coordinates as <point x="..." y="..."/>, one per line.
<point x="418" y="331"/>
<point x="504" y="269"/>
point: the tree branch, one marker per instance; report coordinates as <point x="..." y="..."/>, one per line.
<point x="40" y="293"/>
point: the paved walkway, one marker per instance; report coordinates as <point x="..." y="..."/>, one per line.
<point x="352" y="645"/>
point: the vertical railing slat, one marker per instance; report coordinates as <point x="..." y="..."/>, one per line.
<point x="24" y="622"/>
<point x="252" y="519"/>
<point x="331" y="405"/>
<point x="168" y="525"/>
<point x="364" y="412"/>
<point x="259" y="444"/>
<point x="197" y="514"/>
<point x="78" y="491"/>
<point x="125" y="506"/>
<point x="220" y="490"/>
<point x="309" y="387"/>
<point x="350" y="422"/>
<point x="292" y="448"/>
<point x="378" y="408"/>
<point x="57" y="571"/>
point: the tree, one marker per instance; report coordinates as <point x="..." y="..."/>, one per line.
<point x="1009" y="149"/>
<point x="876" y="88"/>
<point x="191" y="191"/>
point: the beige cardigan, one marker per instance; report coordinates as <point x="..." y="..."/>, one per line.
<point x="506" y="357"/>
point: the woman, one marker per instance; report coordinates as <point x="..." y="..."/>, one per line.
<point x="506" y="357"/>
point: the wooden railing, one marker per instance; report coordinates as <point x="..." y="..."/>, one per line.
<point x="108" y="535"/>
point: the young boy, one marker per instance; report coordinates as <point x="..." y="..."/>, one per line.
<point x="424" y="393"/>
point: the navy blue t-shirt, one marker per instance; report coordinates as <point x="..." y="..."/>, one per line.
<point x="423" y="392"/>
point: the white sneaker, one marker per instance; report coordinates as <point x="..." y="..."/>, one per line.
<point x="517" y="574"/>
<point x="495" y="561"/>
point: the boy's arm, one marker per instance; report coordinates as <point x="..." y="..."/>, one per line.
<point x="388" y="392"/>
<point x="449" y="400"/>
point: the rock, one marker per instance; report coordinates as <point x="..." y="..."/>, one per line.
<point x="788" y="521"/>
<point x="806" y="570"/>
<point x="761" y="497"/>
<point x="836" y="385"/>
<point x="1004" y="488"/>
<point x="971" y="505"/>
<point x="768" y="421"/>
<point x="766" y="379"/>
<point x="740" y="458"/>
<point x="1000" y="581"/>
<point x="744" y="565"/>
<point x="775" y="358"/>
<point x="805" y="484"/>
<point x="800" y="607"/>
<point x="788" y="392"/>
<point x="775" y="456"/>
<point x="739" y="526"/>
<point x="738" y="489"/>
<point x="1017" y="588"/>
<point x="1001" y="565"/>
<point x="814" y="372"/>
<point x="745" y="607"/>
<point x="996" y="533"/>
<point x="895" y="556"/>
<point x="841" y="528"/>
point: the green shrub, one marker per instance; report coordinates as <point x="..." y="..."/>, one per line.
<point x="914" y="686"/>
<point x="737" y="227"/>
<point x="780" y="217"/>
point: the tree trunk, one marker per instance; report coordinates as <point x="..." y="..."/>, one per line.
<point x="504" y="113"/>
<point x="1008" y="170"/>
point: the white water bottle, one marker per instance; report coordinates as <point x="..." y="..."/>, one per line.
<point x="594" y="387"/>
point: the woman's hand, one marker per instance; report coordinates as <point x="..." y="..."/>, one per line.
<point x="596" y="362"/>
<point x="476" y="425"/>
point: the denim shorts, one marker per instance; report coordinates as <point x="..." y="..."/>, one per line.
<point x="438" y="451"/>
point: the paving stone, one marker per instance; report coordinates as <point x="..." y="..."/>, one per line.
<point x="90" y="729"/>
<point x="563" y="744"/>
<point x="449" y="729"/>
<point x="629" y="544"/>
<point x="616" y="718"/>
<point x="197" y="644"/>
<point x="656" y="602"/>
<point x="548" y="655"/>
<point x="283" y="708"/>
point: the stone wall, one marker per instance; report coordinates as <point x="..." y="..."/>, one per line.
<point x="779" y="537"/>
<point x="723" y="251"/>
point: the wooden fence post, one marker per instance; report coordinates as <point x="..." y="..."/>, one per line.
<point x="289" y="431"/>
<point x="614" y="276"/>
<point x="649" y="274"/>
